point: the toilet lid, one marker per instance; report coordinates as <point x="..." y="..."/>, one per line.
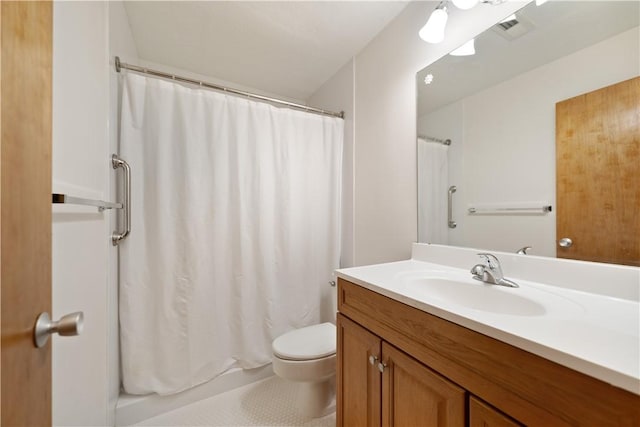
<point x="312" y="342"/>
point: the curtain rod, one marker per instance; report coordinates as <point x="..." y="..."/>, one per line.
<point x="437" y="140"/>
<point x="144" y="70"/>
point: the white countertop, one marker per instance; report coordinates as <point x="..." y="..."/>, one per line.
<point x="596" y="334"/>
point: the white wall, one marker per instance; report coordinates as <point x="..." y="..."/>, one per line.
<point x="385" y="220"/>
<point x="86" y="379"/>
<point x="120" y="44"/>
<point x="337" y="94"/>
<point x="81" y="245"/>
<point x="509" y="148"/>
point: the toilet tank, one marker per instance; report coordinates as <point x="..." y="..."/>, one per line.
<point x="329" y="302"/>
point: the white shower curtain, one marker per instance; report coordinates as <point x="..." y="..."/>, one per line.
<point x="433" y="185"/>
<point x="235" y="230"/>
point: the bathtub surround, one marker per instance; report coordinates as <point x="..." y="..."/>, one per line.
<point x="235" y="230"/>
<point x="133" y="409"/>
<point x="270" y="402"/>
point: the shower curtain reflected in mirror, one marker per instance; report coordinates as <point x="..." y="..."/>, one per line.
<point x="433" y="184"/>
<point x="235" y="230"/>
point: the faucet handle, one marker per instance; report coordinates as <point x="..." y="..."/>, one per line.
<point x="492" y="261"/>
<point x="489" y="258"/>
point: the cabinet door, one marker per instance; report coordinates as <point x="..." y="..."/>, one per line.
<point x="414" y="395"/>
<point x="483" y="415"/>
<point x="358" y="391"/>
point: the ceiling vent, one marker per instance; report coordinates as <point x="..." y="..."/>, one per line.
<point x="513" y="28"/>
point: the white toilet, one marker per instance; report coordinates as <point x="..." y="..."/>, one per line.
<point x="308" y="356"/>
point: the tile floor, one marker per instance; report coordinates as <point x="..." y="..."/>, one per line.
<point x="269" y="402"/>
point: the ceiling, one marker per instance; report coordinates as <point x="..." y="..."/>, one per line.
<point x="288" y="48"/>
<point x="556" y="29"/>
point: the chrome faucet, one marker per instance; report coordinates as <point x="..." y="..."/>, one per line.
<point x="490" y="271"/>
<point x="523" y="251"/>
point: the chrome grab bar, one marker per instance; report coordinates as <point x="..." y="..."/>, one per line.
<point x="117" y="162"/>
<point x="451" y="222"/>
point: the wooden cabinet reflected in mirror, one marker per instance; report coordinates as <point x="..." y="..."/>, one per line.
<point x="498" y="108"/>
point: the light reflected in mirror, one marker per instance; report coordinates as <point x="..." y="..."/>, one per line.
<point x="544" y="124"/>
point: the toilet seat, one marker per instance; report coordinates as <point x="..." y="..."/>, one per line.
<point x="309" y="343"/>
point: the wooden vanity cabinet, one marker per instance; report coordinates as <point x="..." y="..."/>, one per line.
<point x="433" y="372"/>
<point x="483" y="415"/>
<point x="380" y="385"/>
<point x="358" y="379"/>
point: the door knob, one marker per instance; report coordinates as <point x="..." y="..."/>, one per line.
<point x="68" y="325"/>
<point x="565" y="242"/>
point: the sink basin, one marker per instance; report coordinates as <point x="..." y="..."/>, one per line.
<point x="478" y="296"/>
<point x="455" y="289"/>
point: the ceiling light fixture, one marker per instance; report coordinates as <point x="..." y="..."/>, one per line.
<point x="467" y="49"/>
<point x="469" y="4"/>
<point x="433" y="30"/>
<point x="465" y="4"/>
<point x="540" y="2"/>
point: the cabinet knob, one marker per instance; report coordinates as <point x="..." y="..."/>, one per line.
<point x="373" y="359"/>
<point x="381" y="366"/>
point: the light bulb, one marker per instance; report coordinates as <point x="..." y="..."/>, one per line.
<point x="466" y="49"/>
<point x="465" y="4"/>
<point x="433" y="30"/>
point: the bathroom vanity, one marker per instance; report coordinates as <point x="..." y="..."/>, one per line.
<point x="411" y="353"/>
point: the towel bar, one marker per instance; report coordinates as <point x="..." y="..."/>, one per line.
<point x="508" y="210"/>
<point x="58" y="198"/>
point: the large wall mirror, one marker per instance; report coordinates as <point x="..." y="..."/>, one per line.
<point x="534" y="140"/>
